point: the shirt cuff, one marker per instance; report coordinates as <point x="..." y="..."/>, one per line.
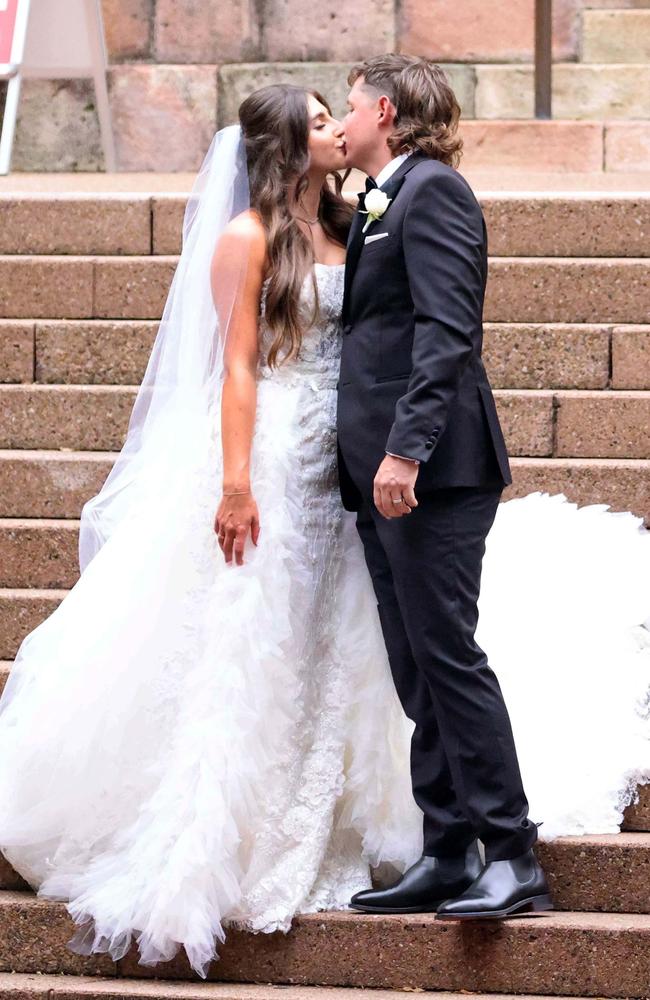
<point x="416" y="461"/>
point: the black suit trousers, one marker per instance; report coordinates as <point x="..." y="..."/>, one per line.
<point x="426" y="571"/>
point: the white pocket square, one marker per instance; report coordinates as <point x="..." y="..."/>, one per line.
<point x="375" y="236"/>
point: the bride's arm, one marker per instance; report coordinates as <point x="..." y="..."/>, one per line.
<point x="237" y="273"/>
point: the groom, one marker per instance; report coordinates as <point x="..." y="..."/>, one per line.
<point x="423" y="462"/>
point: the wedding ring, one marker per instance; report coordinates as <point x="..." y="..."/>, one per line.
<point x="401" y="500"/>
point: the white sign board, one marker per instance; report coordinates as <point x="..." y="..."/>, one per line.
<point x="52" y="39"/>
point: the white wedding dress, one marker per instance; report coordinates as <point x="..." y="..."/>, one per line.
<point x="187" y="746"/>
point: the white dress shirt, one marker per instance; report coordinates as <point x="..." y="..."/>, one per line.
<point x="380" y="179"/>
<point x="390" y="169"/>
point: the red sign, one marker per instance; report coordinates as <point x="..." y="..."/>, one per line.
<point x="8" y="10"/>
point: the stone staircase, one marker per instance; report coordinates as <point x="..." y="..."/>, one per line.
<point x="83" y="279"/>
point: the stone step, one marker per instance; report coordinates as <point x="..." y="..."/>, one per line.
<point x="536" y="423"/>
<point x="90" y="351"/>
<point x="567" y="225"/>
<point x="581" y="954"/>
<point x="623" y="484"/>
<point x="636" y="819"/>
<point x="56" y="484"/>
<point x="39" y="552"/>
<point x="38" y="986"/>
<point x="601" y="425"/>
<point x="552" y="146"/>
<point x="52" y="484"/>
<point x="604" y="873"/>
<point x="20" y="612"/>
<point x="78" y="222"/>
<point x="516" y="355"/>
<point x="84" y="418"/>
<point x="5" y="668"/>
<point x="567" y="290"/>
<point x="78" y="287"/>
<point x="9" y="878"/>
<point x="579" y="224"/>
<point x="637" y="816"/>
<point x="520" y="289"/>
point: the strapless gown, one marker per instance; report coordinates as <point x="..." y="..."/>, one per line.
<point x="187" y="746"/>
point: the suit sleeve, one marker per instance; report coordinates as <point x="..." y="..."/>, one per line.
<point x="443" y="238"/>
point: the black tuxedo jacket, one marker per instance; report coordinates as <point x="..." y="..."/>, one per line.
<point x="412" y="381"/>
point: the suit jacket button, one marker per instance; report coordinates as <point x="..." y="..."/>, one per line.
<point x="347" y="328"/>
<point x="428" y="444"/>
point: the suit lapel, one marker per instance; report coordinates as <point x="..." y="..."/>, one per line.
<point x="355" y="242"/>
<point x="357" y="236"/>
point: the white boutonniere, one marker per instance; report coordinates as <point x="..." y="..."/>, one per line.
<point x="376" y="202"/>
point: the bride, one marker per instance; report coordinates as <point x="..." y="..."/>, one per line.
<point x="205" y="733"/>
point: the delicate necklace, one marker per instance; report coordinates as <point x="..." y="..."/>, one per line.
<point x="310" y="222"/>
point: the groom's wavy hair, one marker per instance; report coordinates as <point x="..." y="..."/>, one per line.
<point x="275" y="125"/>
<point x="427" y="112"/>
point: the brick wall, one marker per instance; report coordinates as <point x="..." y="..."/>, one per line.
<point x="180" y="67"/>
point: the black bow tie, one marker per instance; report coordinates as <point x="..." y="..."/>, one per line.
<point x="370" y="184"/>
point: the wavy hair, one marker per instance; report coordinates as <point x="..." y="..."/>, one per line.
<point x="427" y="112"/>
<point x="275" y="126"/>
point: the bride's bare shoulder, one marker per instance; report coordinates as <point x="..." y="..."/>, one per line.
<point x="245" y="228"/>
<point x="244" y="236"/>
<point x="247" y="223"/>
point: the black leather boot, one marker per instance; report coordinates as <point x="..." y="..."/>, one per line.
<point x="515" y="885"/>
<point x="424" y="885"/>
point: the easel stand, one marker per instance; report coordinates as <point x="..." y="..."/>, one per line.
<point x="52" y="39"/>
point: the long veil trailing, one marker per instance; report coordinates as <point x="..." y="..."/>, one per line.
<point x="181" y="381"/>
<point x="108" y="778"/>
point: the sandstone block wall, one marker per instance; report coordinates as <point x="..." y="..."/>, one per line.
<point x="179" y="68"/>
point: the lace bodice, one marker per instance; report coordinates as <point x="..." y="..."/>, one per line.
<point x="321" y="346"/>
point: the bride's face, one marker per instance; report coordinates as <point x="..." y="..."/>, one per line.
<point x="325" y="144"/>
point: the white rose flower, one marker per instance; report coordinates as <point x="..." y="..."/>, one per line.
<point x="376" y="202"/>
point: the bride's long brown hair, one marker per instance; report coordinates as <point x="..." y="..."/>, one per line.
<point x="275" y="125"/>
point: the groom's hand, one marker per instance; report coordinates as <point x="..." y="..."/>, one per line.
<point x="393" y="486"/>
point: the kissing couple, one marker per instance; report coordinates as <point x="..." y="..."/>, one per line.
<point x="265" y="695"/>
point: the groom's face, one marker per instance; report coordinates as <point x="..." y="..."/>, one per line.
<point x="366" y="124"/>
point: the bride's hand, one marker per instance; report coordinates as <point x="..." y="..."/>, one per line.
<point x="236" y="517"/>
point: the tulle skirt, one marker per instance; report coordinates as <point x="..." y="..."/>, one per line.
<point x="187" y="746"/>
